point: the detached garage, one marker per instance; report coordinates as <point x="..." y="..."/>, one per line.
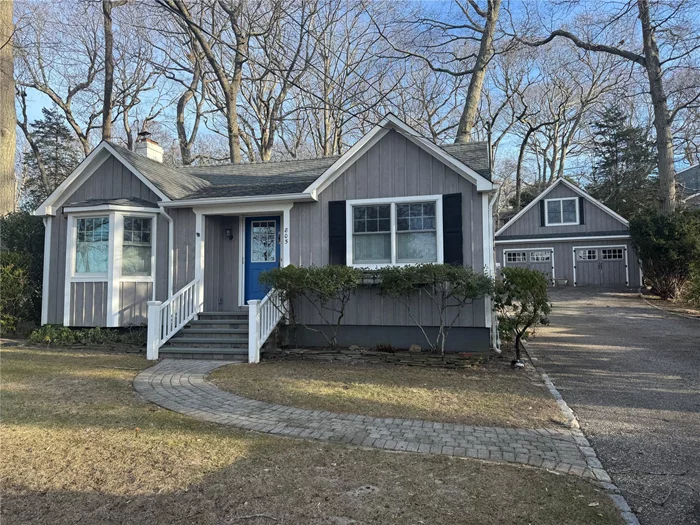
<point x="570" y="237"/>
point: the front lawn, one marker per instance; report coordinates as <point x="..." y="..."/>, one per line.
<point x="78" y="446"/>
<point x="489" y="395"/>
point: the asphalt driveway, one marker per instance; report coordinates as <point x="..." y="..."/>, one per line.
<point x="631" y="373"/>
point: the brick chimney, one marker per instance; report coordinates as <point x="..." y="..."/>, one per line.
<point x="148" y="147"/>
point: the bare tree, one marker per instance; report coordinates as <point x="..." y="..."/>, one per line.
<point x="457" y="41"/>
<point x="225" y="42"/>
<point x="8" y="138"/>
<point x="58" y="54"/>
<point x="666" y="26"/>
<point x="107" y="6"/>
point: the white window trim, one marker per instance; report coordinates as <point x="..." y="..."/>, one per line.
<point x="515" y="253"/>
<point x="113" y="276"/>
<point x="548" y="252"/>
<point x="392" y="201"/>
<point x="603" y="258"/>
<point x="561" y="209"/>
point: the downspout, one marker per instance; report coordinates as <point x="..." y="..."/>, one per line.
<point x="171" y="248"/>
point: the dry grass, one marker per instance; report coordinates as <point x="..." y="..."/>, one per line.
<point x="79" y="447"/>
<point x="492" y="395"/>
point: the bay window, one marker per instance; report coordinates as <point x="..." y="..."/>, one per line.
<point x="395" y="231"/>
<point x="92" y="246"/>
<point x="136" y="248"/>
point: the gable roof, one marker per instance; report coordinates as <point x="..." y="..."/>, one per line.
<point x="571" y="186"/>
<point x="689" y="179"/>
<point x="391" y="121"/>
<point x="293" y="177"/>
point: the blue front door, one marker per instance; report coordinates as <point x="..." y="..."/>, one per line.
<point x="262" y="252"/>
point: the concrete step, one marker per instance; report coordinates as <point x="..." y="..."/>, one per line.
<point x="220" y="316"/>
<point x="206" y="331"/>
<point x="209" y="342"/>
<point x="219" y="323"/>
<point x="196" y="350"/>
<point x="235" y="355"/>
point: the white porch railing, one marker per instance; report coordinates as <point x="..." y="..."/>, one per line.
<point x="263" y="317"/>
<point x="166" y="318"/>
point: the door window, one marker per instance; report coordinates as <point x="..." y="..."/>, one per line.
<point x="263" y="241"/>
<point x="587" y="255"/>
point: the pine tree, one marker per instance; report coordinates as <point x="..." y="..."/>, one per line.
<point x="54" y="157"/>
<point x="624" y="159"/>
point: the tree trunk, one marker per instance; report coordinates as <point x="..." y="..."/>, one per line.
<point x="109" y="70"/>
<point x="662" y="118"/>
<point x="519" y="168"/>
<point x="8" y="115"/>
<point x="517" y="347"/>
<point x="476" y="82"/>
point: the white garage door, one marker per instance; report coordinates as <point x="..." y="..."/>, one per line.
<point x="541" y="259"/>
<point x="600" y="266"/>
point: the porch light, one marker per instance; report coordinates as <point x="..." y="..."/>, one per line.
<point x="229" y="233"/>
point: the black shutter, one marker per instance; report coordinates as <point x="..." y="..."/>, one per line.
<point x="336" y="233"/>
<point x="580" y="211"/>
<point x="542" y="212"/>
<point x="452" y="229"/>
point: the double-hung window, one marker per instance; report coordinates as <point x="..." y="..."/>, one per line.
<point x="395" y="231"/>
<point x="136" y="248"/>
<point x="92" y="246"/>
<point x="561" y="212"/>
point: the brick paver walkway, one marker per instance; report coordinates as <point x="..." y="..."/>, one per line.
<point x="180" y="385"/>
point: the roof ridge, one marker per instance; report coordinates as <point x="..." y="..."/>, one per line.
<point x="229" y="164"/>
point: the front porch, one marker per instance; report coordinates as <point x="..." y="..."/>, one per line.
<point x="224" y="313"/>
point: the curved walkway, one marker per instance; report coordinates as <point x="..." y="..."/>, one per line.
<point x="180" y="385"/>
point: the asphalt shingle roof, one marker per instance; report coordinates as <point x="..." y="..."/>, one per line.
<point x="269" y="178"/>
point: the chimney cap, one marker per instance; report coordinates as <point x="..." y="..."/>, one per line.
<point x="144" y="135"/>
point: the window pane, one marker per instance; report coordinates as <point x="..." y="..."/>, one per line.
<point x="384" y="212"/>
<point x="136" y="246"/>
<point x="263" y="244"/>
<point x="136" y="260"/>
<point x="372" y="249"/>
<point x="569" y="209"/>
<point x="554" y="212"/>
<point x="358" y="212"/>
<point x="402" y="210"/>
<point x="92" y="246"/>
<point x="417" y="247"/>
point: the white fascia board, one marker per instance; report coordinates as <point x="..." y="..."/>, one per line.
<point x="375" y="134"/>
<point x="562" y="239"/>
<point x="47" y="207"/>
<point x="217" y="201"/>
<point x="47" y="271"/>
<point x="574" y="188"/>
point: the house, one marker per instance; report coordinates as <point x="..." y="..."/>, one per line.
<point x="689" y="182"/>
<point x="131" y="241"/>
<point x="572" y="238"/>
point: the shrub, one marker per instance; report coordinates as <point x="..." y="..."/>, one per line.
<point x="667" y="247"/>
<point x="16" y="293"/>
<point x="23" y="234"/>
<point x="56" y="335"/>
<point x="691" y="292"/>
<point x="450" y="288"/>
<point x="327" y="289"/>
<point x="522" y="303"/>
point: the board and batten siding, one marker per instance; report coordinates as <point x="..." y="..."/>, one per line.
<point x="595" y="219"/>
<point x="563" y="255"/>
<point x="394" y="167"/>
<point x="183" y="249"/>
<point x="111" y="180"/>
